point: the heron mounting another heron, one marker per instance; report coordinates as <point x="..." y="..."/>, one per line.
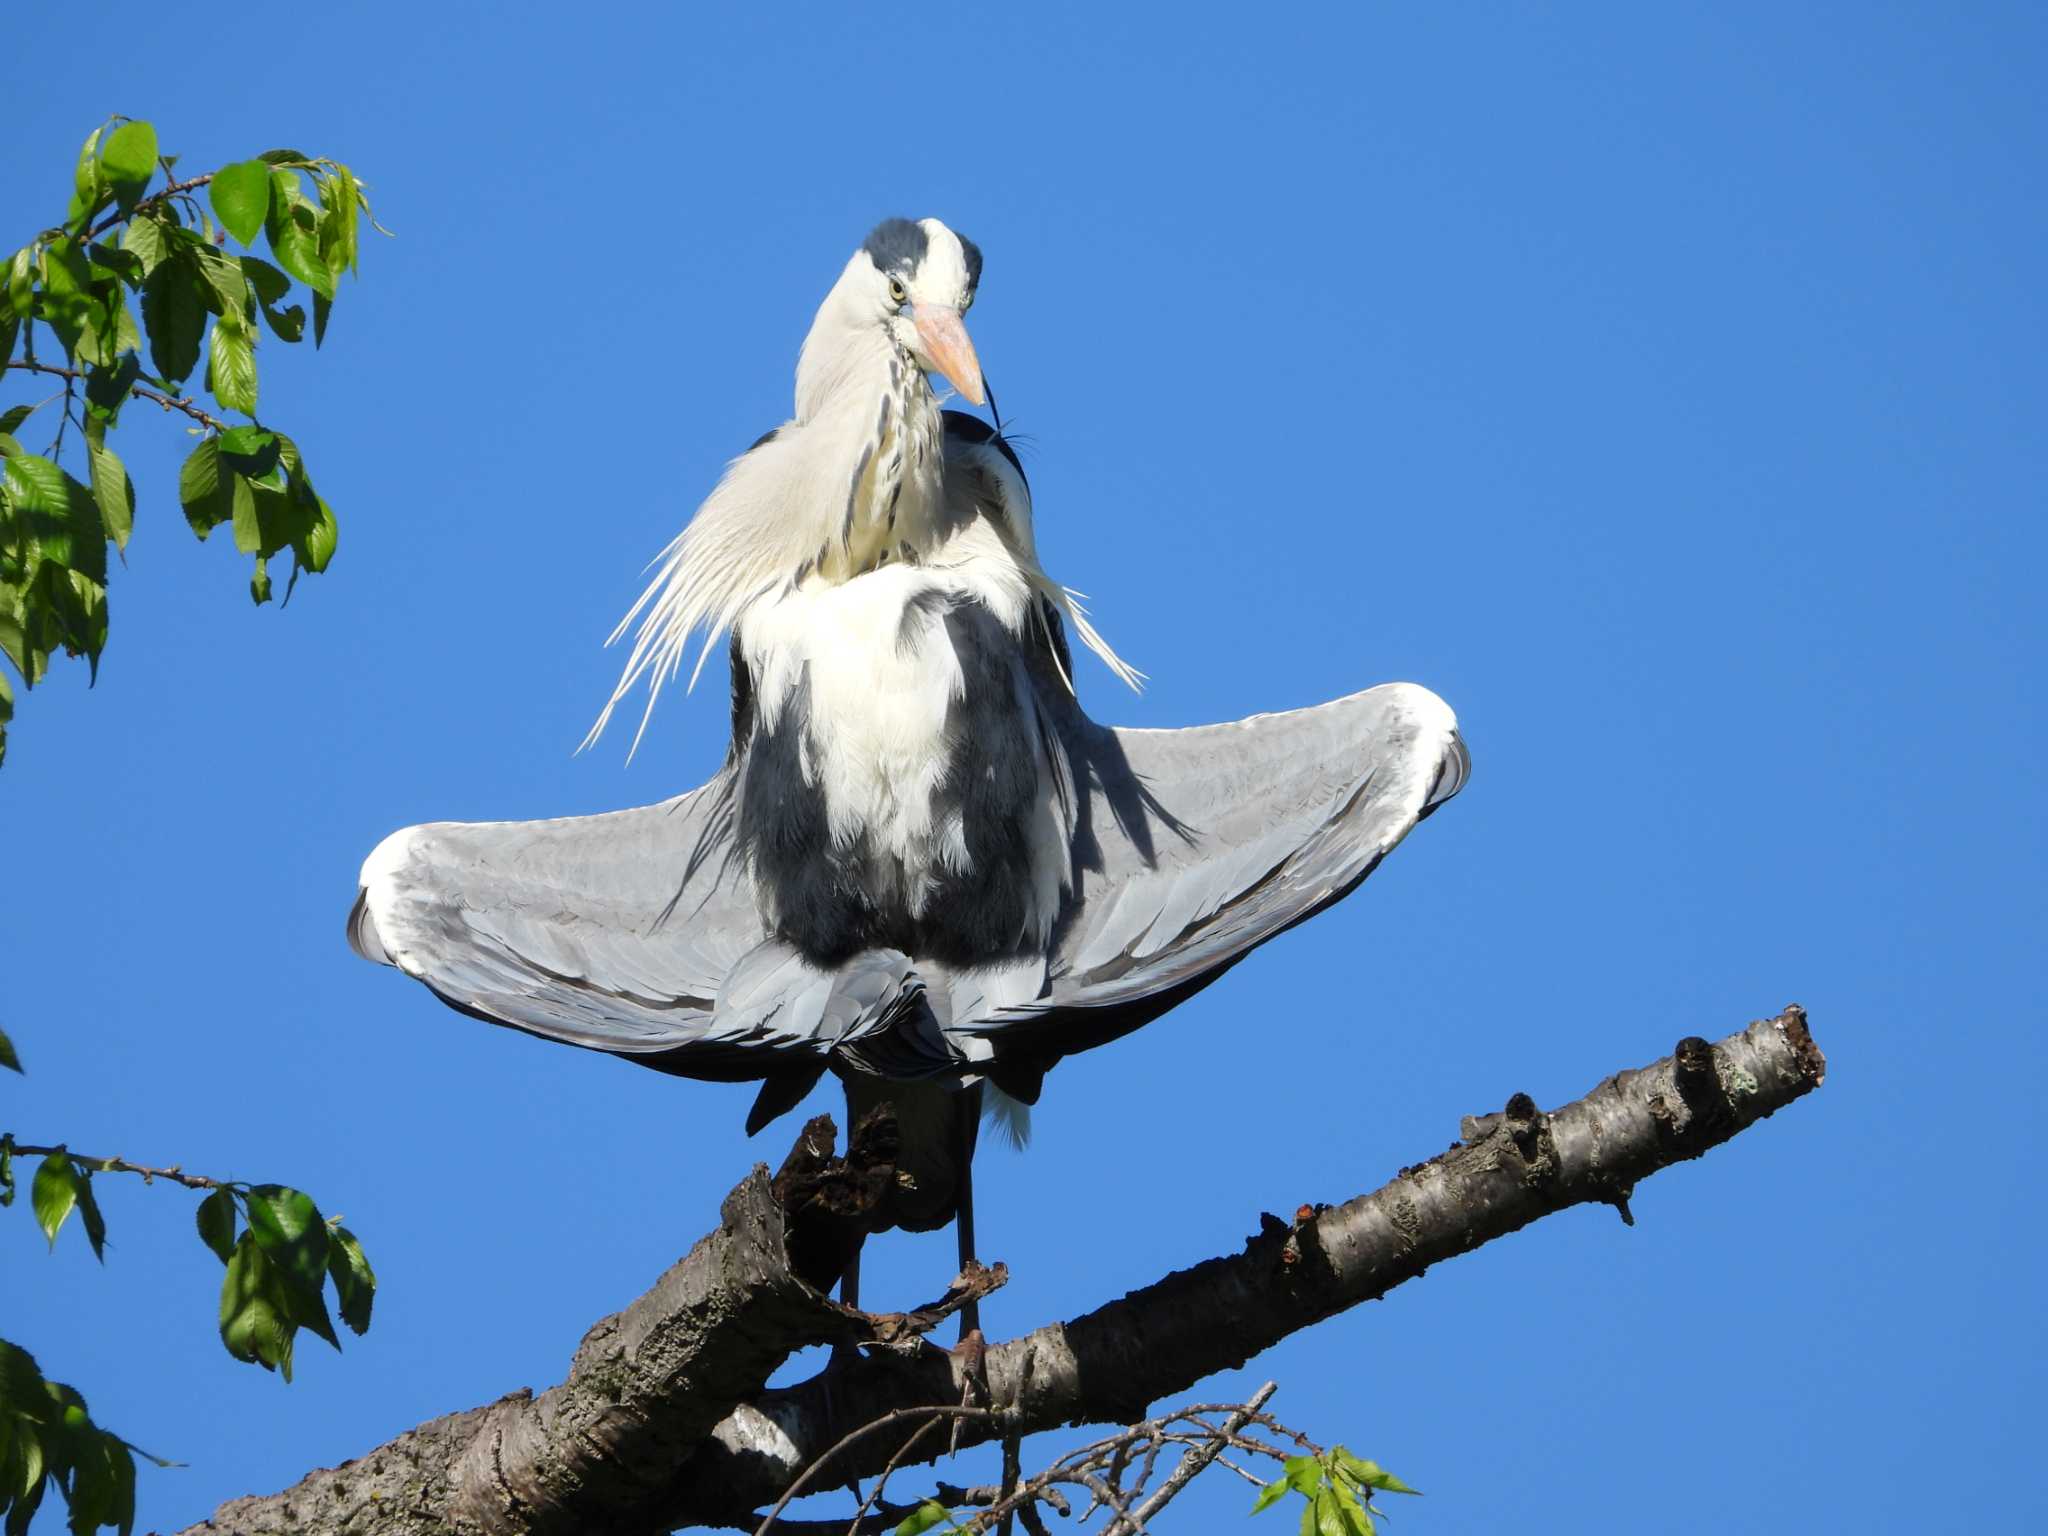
<point x="922" y="867"/>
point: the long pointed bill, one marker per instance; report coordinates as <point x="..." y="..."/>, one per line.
<point x="951" y="352"/>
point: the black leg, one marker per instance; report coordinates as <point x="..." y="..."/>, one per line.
<point x="967" y="1127"/>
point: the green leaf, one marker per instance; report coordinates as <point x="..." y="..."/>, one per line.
<point x="54" y="1194"/>
<point x="88" y="189"/>
<point x="106" y="389"/>
<point x="1304" y="1473"/>
<point x="216" y="1219"/>
<point x="1370" y="1473"/>
<point x="1357" y="1519"/>
<point x="10" y="421"/>
<point x="174" y="311"/>
<point x="322" y="308"/>
<point x="240" y="194"/>
<point x="8" y="1056"/>
<point x="338" y="221"/>
<point x="288" y="1226"/>
<point x="355" y="1283"/>
<point x="292" y="229"/>
<point x="21" y="283"/>
<point x="1329" y="1514"/>
<point x="923" y="1518"/>
<point x="252" y="1324"/>
<point x="129" y="160"/>
<point x="316" y="549"/>
<point x="89" y="1213"/>
<point x="270" y="285"/>
<point x="226" y="286"/>
<point x="144" y="239"/>
<point x="199" y="488"/>
<point x="249" y="451"/>
<point x="231" y="365"/>
<point x="248" y="520"/>
<point x="259" y="581"/>
<point x="1272" y="1494"/>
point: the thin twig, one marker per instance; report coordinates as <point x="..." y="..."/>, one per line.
<point x="1196" y="1460"/>
<point x="940" y="1410"/>
<point x="139" y="391"/>
<point x="148" y="204"/>
<point x="121" y="1165"/>
<point x="875" y="1494"/>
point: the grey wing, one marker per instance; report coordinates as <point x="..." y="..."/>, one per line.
<point x="1193" y="847"/>
<point x="634" y="932"/>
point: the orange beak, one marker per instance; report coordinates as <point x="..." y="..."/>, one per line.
<point x="946" y="343"/>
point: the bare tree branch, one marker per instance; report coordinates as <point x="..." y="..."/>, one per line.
<point x="663" y="1421"/>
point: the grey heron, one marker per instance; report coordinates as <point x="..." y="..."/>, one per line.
<point x="922" y="867"/>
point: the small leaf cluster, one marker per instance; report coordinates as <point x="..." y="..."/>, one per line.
<point x="1338" y="1488"/>
<point x="47" y="1438"/>
<point x="139" y="289"/>
<point x="278" y="1268"/>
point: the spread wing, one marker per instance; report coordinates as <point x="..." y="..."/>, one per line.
<point x="1196" y="846"/>
<point x="633" y="932"/>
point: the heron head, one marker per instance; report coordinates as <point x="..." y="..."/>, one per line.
<point x="924" y="277"/>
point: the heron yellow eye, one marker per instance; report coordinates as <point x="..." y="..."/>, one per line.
<point x="896" y="293"/>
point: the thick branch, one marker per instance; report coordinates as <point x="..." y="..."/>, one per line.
<point x="578" y="1456"/>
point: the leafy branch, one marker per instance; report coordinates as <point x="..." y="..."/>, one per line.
<point x="48" y="1438"/>
<point x="280" y="1252"/>
<point x="197" y="301"/>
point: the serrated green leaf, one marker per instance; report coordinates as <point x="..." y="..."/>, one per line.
<point x="231" y="365"/>
<point x="1370" y="1473"/>
<point x="252" y="1326"/>
<point x="54" y="1195"/>
<point x="292" y="229"/>
<point x="114" y="493"/>
<point x="248" y="523"/>
<point x="1304" y="1473"/>
<point x="1357" y="1519"/>
<point x="21" y="282"/>
<point x="269" y="285"/>
<point x="9" y="1058"/>
<point x="316" y="549"/>
<point x="129" y="160"/>
<point x="355" y="1283"/>
<point x="216" y="1219"/>
<point x="88" y="190"/>
<point x="227" y="289"/>
<point x="923" y="1518"/>
<point x="284" y="157"/>
<point x="174" y="313"/>
<point x="249" y="450"/>
<point x="143" y="239"/>
<point x="240" y="195"/>
<point x="1309" y="1526"/>
<point x="106" y="390"/>
<point x="338" y="221"/>
<point x="200" y="491"/>
<point x="288" y="1226"/>
<point x="1271" y="1494"/>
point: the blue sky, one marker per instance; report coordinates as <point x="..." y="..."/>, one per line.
<point x="1661" y="385"/>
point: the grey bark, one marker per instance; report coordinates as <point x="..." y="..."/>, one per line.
<point x="663" y="1421"/>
